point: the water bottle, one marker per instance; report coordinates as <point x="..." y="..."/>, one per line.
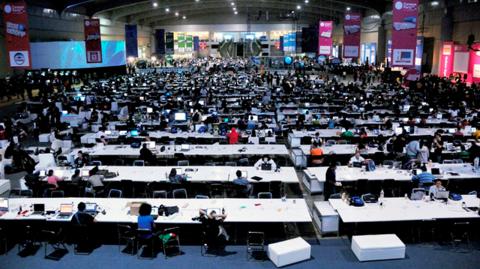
<point x="382" y="195"/>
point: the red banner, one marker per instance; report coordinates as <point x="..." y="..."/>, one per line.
<point x="93" y="42"/>
<point x="446" y="59"/>
<point x="404" y="32"/>
<point x="325" y="38"/>
<point x="351" y="35"/>
<point x="474" y="65"/>
<point x="15" y="18"/>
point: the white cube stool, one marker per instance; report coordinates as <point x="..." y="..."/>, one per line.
<point x="378" y="247"/>
<point x="289" y="251"/>
<point x="44" y="138"/>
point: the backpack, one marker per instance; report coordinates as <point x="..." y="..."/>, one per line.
<point x="371" y="166"/>
<point x="356" y="201"/>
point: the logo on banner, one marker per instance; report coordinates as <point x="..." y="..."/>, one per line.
<point x="399" y="5"/>
<point x="16" y="29"/>
<point x="352" y="17"/>
<point x="14" y="9"/>
<point x="19" y="58"/>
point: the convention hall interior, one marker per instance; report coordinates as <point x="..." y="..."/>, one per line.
<point x="239" y="134"/>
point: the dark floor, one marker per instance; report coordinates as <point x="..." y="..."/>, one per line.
<point x="330" y="253"/>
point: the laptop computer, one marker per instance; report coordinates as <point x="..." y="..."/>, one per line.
<point x="91" y="208"/>
<point x="442" y="195"/>
<point x="66" y="210"/>
<point x="38" y="209"/>
<point x="435" y="171"/>
<point x="266" y="166"/>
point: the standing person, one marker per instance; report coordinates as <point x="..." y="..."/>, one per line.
<point x="424" y="154"/>
<point x="437" y="146"/>
<point x="233" y="136"/>
<point x="330" y="183"/>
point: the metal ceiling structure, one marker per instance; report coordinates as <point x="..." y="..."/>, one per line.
<point x="153" y="12"/>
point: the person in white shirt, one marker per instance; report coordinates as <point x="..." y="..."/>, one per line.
<point x="435" y="188"/>
<point x="357" y="158"/>
<point x="265" y="160"/>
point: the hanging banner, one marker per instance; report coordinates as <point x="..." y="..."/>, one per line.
<point x="131" y="40"/>
<point x="196" y="43"/>
<point x="351" y="35"/>
<point x="93" y="42"/>
<point x="159" y="41"/>
<point x="15" y="18"/>
<point x="169" y="43"/>
<point x="474" y="65"/>
<point x="404" y="33"/>
<point x="281" y="41"/>
<point x="446" y="59"/>
<point x="461" y="58"/>
<point x="325" y="38"/>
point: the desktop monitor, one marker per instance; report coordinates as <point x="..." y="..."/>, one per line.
<point x="85" y="173"/>
<point x="180" y="116"/>
<point x="3" y="204"/>
<point x="38" y="207"/>
<point x="149" y="110"/>
<point x="134" y="133"/>
<point x="150" y="144"/>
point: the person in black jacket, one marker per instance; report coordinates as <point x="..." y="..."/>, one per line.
<point x="330" y="182"/>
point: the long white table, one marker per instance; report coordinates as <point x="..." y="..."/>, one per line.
<point x="195" y="150"/>
<point x="345" y="173"/>
<point x="340" y="149"/>
<point x="402" y="209"/>
<point x="117" y="210"/>
<point x="193" y="173"/>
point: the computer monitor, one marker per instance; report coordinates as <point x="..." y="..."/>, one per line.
<point x="442" y="195"/>
<point x="150" y="144"/>
<point x="122" y="132"/>
<point x="149" y="110"/>
<point x="59" y="172"/>
<point x="254" y="117"/>
<point x="66" y="209"/>
<point x="90" y="207"/>
<point x="108" y="132"/>
<point x="406" y="108"/>
<point x="42" y="173"/>
<point x="185" y="147"/>
<point x="3" y="204"/>
<point x="451" y="130"/>
<point x="134" y="133"/>
<point x="201" y="102"/>
<point x="439" y="116"/>
<point x="38" y="207"/>
<point x="142" y="98"/>
<point x="180" y="116"/>
<point x="64" y="112"/>
<point x="85" y="173"/>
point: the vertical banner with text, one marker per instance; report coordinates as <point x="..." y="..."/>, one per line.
<point x="404" y="33"/>
<point x="131" y="40"/>
<point x="160" y="41"/>
<point x="15" y="18"/>
<point x="93" y="42"/>
<point x="169" y="43"/>
<point x="351" y="35"/>
<point x="446" y="59"/>
<point x="196" y="43"/>
<point x="325" y="38"/>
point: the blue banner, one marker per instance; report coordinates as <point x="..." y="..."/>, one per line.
<point x="131" y="41"/>
<point x="196" y="43"/>
<point x="169" y="43"/>
<point x="281" y="42"/>
<point x="160" y="41"/>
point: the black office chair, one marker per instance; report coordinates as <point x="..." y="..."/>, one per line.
<point x="82" y="244"/>
<point x="179" y="194"/>
<point x="264" y="195"/>
<point x="114" y="193"/>
<point x="243" y="162"/>
<point x="230" y="164"/>
<point x="126" y="233"/>
<point x="217" y="190"/>
<point x="183" y="163"/>
<point x="3" y="241"/>
<point x="170" y="242"/>
<point x="57" y="194"/>
<point x="28" y="244"/>
<point x="277" y="189"/>
<point x="255" y="244"/>
<point x="54" y="239"/>
<point x="201" y="196"/>
<point x="119" y="162"/>
<point x="159" y="194"/>
<point x="145" y="238"/>
<point x="14" y="193"/>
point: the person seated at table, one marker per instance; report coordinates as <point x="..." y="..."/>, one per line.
<point x="53" y="179"/>
<point x="424" y="177"/>
<point x="145" y="221"/>
<point x="242" y="181"/>
<point x="458" y="133"/>
<point x="233" y="136"/>
<point x="330" y="181"/>
<point x="215" y="234"/>
<point x="266" y="160"/>
<point x="331" y="123"/>
<point x="435" y="188"/>
<point x="347" y="133"/>
<point x="96" y="182"/>
<point x="76" y="178"/>
<point x="81" y="160"/>
<point x="251" y="124"/>
<point x="82" y="218"/>
<point x="413" y="149"/>
<point x="173" y="177"/>
<point x="316" y="154"/>
<point x="356" y="159"/>
<point x="317" y="139"/>
<point x="147" y="155"/>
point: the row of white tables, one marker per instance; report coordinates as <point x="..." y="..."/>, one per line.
<point x="193" y="173"/>
<point x="118" y="209"/>
<point x="403" y="209"/>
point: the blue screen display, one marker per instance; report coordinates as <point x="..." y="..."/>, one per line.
<point x="72" y="55"/>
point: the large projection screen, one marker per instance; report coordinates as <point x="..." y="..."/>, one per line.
<point x="71" y="54"/>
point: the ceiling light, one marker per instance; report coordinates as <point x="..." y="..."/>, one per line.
<point x="235" y="12"/>
<point x="232" y="3"/>
<point x="176" y="14"/>
<point x="348" y="8"/>
<point x="306" y="1"/>
<point x="299" y="7"/>
<point x="434" y="3"/>
<point x="234" y="8"/>
<point x="184" y="17"/>
<point x="167" y="10"/>
<point x="155" y="4"/>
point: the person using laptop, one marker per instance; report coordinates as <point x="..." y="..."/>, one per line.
<point x="146" y="154"/>
<point x="81" y="160"/>
<point x="53" y="179"/>
<point x="316" y="153"/>
<point x="173" y="177"/>
<point x="76" y="178"/>
<point x="264" y="162"/>
<point x="96" y="181"/>
<point x="242" y="181"/>
<point x="423" y="177"/>
<point x="435" y="188"/>
<point x="356" y="159"/>
<point x="82" y="217"/>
